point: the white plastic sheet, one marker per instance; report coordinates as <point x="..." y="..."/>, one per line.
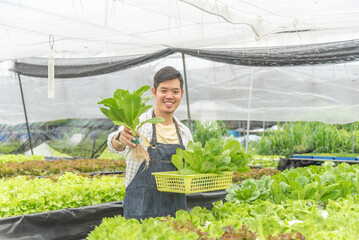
<point x="92" y="28"/>
<point x="217" y="91"/>
<point x="95" y="28"/>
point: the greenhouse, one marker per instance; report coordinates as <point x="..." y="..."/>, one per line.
<point x="269" y="108"/>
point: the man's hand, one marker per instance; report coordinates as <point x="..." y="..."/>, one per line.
<point x="125" y="139"/>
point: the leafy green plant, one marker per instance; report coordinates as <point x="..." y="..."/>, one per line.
<point x="328" y="138"/>
<point x="125" y="108"/>
<point x="203" y="131"/>
<point x="289" y="220"/>
<point x="19" y="158"/>
<point x="253" y="173"/>
<point x="149" y="228"/>
<point x="9" y="146"/>
<point x="217" y="156"/>
<point x="301" y="136"/>
<point x="46" y="168"/>
<point x="265" y="161"/>
<point x="250" y="190"/>
<point x="198" y="216"/>
<point x="241" y="234"/>
<point x="20" y="196"/>
<point x="310" y="183"/>
<point x="185" y="226"/>
<point x="287" y="236"/>
<point x="338" y="224"/>
<point x="282" y="142"/>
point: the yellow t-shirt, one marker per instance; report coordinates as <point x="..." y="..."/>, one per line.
<point x="165" y="134"/>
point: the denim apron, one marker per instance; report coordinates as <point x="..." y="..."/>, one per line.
<point x="142" y="199"/>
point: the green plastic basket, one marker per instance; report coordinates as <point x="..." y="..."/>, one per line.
<point x="177" y="183"/>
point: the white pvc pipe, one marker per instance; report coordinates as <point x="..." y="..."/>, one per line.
<point x="249" y="109"/>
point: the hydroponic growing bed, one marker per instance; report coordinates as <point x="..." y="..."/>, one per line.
<point x="316" y="202"/>
<point x="325" y="158"/>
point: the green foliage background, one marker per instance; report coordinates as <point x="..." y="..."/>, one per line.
<point x="301" y="136"/>
<point x="203" y="131"/>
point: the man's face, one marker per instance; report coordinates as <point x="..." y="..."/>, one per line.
<point x="168" y="96"/>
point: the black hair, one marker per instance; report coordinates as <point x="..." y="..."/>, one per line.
<point x="167" y="73"/>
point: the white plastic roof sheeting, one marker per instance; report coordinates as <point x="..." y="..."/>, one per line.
<point x="88" y="29"/>
<point x="94" y="28"/>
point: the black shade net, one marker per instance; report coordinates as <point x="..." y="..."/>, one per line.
<point x="310" y="54"/>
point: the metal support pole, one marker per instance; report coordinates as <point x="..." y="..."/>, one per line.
<point x="249" y="109"/>
<point x="239" y="128"/>
<point x="104" y="144"/>
<point x="93" y="146"/>
<point x="264" y="128"/>
<point x="187" y="97"/>
<point x="27" y="122"/>
<point x="352" y="137"/>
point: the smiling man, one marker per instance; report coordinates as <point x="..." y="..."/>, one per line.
<point x="142" y="198"/>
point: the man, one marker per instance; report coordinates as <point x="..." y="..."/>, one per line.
<point x="142" y="198"/>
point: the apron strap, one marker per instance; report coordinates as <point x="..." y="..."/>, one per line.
<point x="154" y="136"/>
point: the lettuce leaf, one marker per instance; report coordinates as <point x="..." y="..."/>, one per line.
<point x="217" y="156"/>
<point x="125" y="108"/>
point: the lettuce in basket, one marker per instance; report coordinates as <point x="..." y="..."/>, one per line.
<point x="218" y="156"/>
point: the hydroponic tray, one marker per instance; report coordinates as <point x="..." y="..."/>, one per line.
<point x="324" y="158"/>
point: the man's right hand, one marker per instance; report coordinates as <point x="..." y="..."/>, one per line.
<point x="125" y="139"/>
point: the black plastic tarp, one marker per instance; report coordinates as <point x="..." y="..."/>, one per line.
<point x="72" y="70"/>
<point x="205" y="199"/>
<point x="309" y="54"/>
<point x="69" y="224"/>
<point x="77" y="223"/>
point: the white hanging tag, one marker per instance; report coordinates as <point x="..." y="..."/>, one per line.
<point x="51" y="77"/>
